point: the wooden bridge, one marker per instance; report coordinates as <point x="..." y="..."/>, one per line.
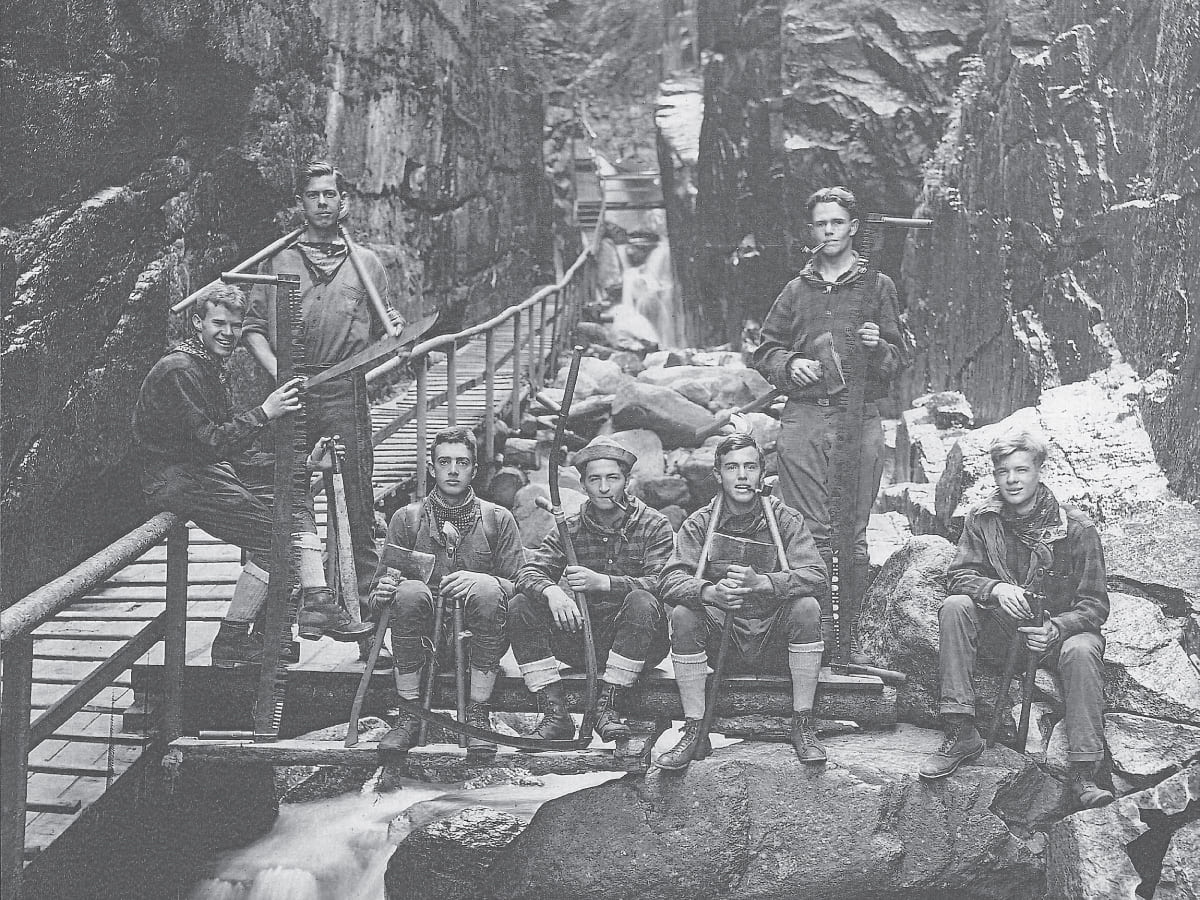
<point x="106" y="669"/>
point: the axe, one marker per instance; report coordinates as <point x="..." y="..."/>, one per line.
<point x="409" y="563"/>
<point x="452" y="537"/>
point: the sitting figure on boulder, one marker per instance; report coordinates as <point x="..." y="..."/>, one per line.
<point x="1017" y="541"/>
<point x="193" y="450"/>
<point x="477" y="550"/>
<point x="621" y="545"/>
<point x="777" y="616"/>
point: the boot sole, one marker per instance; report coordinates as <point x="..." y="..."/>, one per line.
<point x="616" y="734"/>
<point x="236" y="665"/>
<point x="963" y="759"/>
<point x="696" y="757"/>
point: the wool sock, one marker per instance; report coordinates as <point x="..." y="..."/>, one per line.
<point x="621" y="670"/>
<point x="408" y="685"/>
<point x="312" y="573"/>
<point x="804" y="663"/>
<point x="540" y="673"/>
<point x="691" y="677"/>
<point x="482" y="684"/>
<point x="249" y="595"/>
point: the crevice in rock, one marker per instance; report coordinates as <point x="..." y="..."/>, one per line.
<point x="1173" y="601"/>
<point x="1147" y="852"/>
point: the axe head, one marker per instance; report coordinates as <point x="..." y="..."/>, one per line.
<point x="410" y="563"/>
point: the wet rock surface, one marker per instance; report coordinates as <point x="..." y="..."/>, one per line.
<point x="448" y="859"/>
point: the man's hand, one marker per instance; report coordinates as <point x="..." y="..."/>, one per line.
<point x="458" y="584"/>
<point x="321" y="458"/>
<point x="1040" y="638"/>
<point x="283" y="400"/>
<point x="563" y="610"/>
<point x="1012" y="600"/>
<point x="384" y="592"/>
<point x="747" y="579"/>
<point x="868" y="335"/>
<point x="804" y="372"/>
<point x="581" y="578"/>
<point x="725" y="595"/>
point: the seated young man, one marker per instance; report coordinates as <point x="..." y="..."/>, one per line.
<point x="1019" y="540"/>
<point x="777" y="617"/>
<point x="189" y="441"/>
<point x="486" y="559"/>
<point x="621" y="545"/>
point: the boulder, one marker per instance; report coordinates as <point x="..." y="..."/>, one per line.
<point x="596" y="376"/>
<point x="630" y="362"/>
<point x="535" y="523"/>
<point x="712" y="387"/>
<point x="630" y="330"/>
<point x="921" y="445"/>
<point x="447" y="859"/>
<point x="1179" y="878"/>
<point x="662" y="490"/>
<point x="521" y="452"/>
<point x="647" y="447"/>
<point x="1104" y="852"/>
<point x="751" y="821"/>
<point x="1146" y="670"/>
<point x="675" y="515"/>
<point x="765" y="429"/>
<point x="725" y="358"/>
<point x="1145" y="750"/>
<point x="915" y="502"/>
<point x="596" y="406"/>
<point x="503" y="486"/>
<point x="661" y="358"/>
<point x="662" y="410"/>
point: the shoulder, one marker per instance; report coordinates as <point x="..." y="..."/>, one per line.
<point x="405" y="514"/>
<point x="653" y="520"/>
<point x="173" y="363"/>
<point x="697" y="521"/>
<point x="786" y="514"/>
<point x="1077" y="519"/>
<point x="497" y="512"/>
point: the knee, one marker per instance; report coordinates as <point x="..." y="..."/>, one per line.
<point x="1086" y="648"/>
<point x="641" y="608"/>
<point x="801" y="612"/>
<point x="412" y="598"/>
<point x="522" y="612"/>
<point x="485" y="596"/>
<point x="686" y="623"/>
<point x="955" y="607"/>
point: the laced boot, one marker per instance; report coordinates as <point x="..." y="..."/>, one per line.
<point x="404" y="736"/>
<point x="321" y="616"/>
<point x="608" y="721"/>
<point x="804" y="739"/>
<point x="556" y="723"/>
<point x="235" y="648"/>
<point x="692" y="745"/>
<point x="961" y="744"/>
<point x="479" y="714"/>
<point x="291" y="650"/>
<point x="1083" y="787"/>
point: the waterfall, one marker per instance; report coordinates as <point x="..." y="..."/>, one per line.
<point x="648" y="295"/>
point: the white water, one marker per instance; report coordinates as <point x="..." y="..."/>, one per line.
<point x="338" y="848"/>
<point x="648" y="295"/>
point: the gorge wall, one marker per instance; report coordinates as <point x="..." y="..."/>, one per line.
<point x="158" y="143"/>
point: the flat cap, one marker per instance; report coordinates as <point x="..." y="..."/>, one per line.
<point x="602" y="447"/>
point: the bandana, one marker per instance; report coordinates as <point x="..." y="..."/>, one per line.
<point x="322" y="259"/>
<point x="1038" y="526"/>
<point x="194" y="347"/>
<point x="461" y="517"/>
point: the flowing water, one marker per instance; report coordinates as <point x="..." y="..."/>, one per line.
<point x="648" y="296"/>
<point x="338" y="848"/>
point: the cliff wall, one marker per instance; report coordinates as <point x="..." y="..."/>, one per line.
<point x="157" y="144"/>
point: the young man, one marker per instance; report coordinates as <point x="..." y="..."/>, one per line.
<point x="621" y="545"/>
<point x="189" y="442"/>
<point x="800" y="355"/>
<point x="339" y="321"/>
<point x="480" y="574"/>
<point x="1017" y="541"/>
<point x="777" y="627"/>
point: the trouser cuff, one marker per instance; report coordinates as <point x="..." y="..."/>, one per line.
<point x="811" y="647"/>
<point x="408" y="685"/>
<point x="962" y="709"/>
<point x="621" y="670"/>
<point x="540" y="674"/>
<point x="1085" y="755"/>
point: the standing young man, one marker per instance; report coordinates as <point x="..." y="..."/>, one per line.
<point x="338" y="321"/>
<point x="800" y="355"/>
<point x="776" y="628"/>
<point x="487" y="556"/>
<point x="621" y="546"/>
<point x="189" y="442"/>
<point x="1019" y="540"/>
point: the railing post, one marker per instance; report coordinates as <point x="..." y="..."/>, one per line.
<point x="541" y="352"/>
<point x="175" y="641"/>
<point x="14" y="761"/>
<point x="529" y="360"/>
<point x="422" y="365"/>
<point x="514" y="403"/>
<point x="452" y="384"/>
<point x="489" y="402"/>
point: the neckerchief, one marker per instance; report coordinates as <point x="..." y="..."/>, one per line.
<point x="743" y="524"/>
<point x="1036" y="526"/>
<point x="462" y="516"/>
<point x="194" y="347"/>
<point x="322" y="258"/>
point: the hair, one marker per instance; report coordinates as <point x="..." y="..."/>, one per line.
<point x="739" y="440"/>
<point x="1019" y="440"/>
<point x="229" y="296"/>
<point x="319" y="168"/>
<point x="455" y="434"/>
<point x="843" y="197"/>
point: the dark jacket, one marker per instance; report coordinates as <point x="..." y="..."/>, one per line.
<point x="183" y="415"/>
<point x="804" y="577"/>
<point x="1069" y="567"/>
<point x="809" y="307"/>
<point x="631" y="554"/>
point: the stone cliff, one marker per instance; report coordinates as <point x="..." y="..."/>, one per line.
<point x="157" y="144"/>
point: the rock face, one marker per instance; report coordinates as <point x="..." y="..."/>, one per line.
<point x="157" y="145"/>
<point x="752" y="822"/>
<point x="446" y="859"/>
<point x="671" y="415"/>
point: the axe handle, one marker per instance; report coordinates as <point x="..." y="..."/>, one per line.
<point x="439" y="619"/>
<point x="723" y="419"/>
<point x="365" y="681"/>
<point x="460" y="666"/>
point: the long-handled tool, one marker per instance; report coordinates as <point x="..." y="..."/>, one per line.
<point x="268" y="251"/>
<point x="1012" y="659"/>
<point x="725" y="417"/>
<point x="714" y="686"/>
<point x="385" y="618"/>
<point x="1036" y="603"/>
<point x="451" y="536"/>
<point x="341" y="550"/>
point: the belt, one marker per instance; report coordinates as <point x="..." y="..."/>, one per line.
<point x="821" y="401"/>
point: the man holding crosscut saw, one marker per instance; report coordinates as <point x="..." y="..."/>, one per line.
<point x="743" y="582"/>
<point x="450" y="548"/>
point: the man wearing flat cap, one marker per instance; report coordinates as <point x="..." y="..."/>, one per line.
<point x="621" y="545"/>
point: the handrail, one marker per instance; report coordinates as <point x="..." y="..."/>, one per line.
<point x="50" y="599"/>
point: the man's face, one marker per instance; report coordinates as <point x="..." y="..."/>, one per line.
<point x="219" y="330"/>
<point x="321" y="202"/>
<point x="831" y="224"/>
<point x="453" y="469"/>
<point x="604" y="483"/>
<point x="740" y="473"/>
<point x="1017" y="476"/>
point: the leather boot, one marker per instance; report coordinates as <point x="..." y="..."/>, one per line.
<point x="320" y="616"/>
<point x="608" y="721"/>
<point x="961" y="744"/>
<point x="404" y="736"/>
<point x="479" y="714"/>
<point x="556" y="723"/>
<point x="804" y="739"/>
<point x="235" y="648"/>
<point x="1084" y="789"/>
<point x="692" y="745"/>
<point x="383" y="661"/>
